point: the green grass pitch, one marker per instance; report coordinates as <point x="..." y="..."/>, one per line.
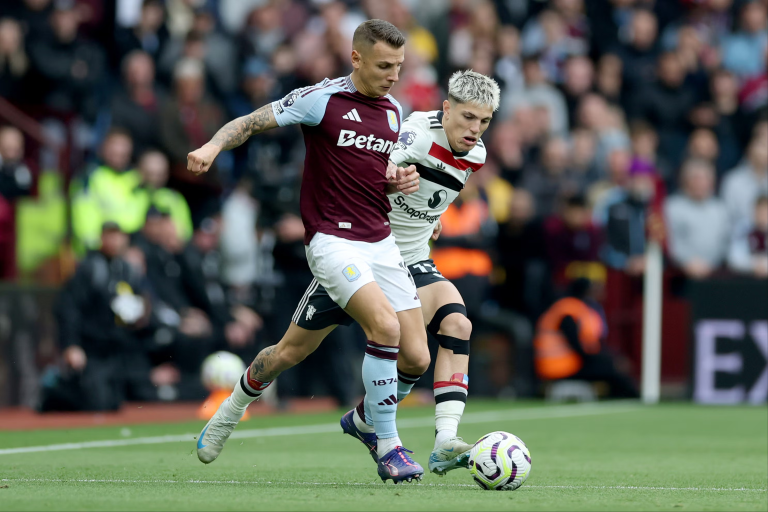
<point x="585" y="457"/>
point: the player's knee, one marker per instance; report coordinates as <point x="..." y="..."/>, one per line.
<point x="456" y="326"/>
<point x="386" y="330"/>
<point x="414" y="360"/>
<point x="420" y="363"/>
<point x="454" y="332"/>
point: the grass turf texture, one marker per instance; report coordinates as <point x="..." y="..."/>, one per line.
<point x="595" y="457"/>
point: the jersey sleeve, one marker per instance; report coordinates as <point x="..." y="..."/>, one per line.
<point x="305" y="105"/>
<point x="413" y="143"/>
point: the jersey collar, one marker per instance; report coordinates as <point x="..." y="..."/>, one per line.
<point x="350" y="84"/>
<point x="455" y="153"/>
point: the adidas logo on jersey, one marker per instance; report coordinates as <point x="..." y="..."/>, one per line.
<point x="351" y="138"/>
<point x="310" y="312"/>
<point x="352" y="115"/>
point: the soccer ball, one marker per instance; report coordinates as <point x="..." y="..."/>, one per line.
<point x="500" y="461"/>
<point x="221" y="371"/>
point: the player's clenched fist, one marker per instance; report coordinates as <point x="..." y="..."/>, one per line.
<point x="200" y="160"/>
<point x="407" y="180"/>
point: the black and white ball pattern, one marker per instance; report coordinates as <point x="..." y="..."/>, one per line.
<point x="500" y="461"/>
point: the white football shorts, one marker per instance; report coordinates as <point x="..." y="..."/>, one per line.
<point x="344" y="266"/>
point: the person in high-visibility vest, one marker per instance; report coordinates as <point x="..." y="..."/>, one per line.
<point x="116" y="192"/>
<point x="568" y="342"/>
<point x="41" y="225"/>
<point x="107" y="193"/>
<point x="153" y="167"/>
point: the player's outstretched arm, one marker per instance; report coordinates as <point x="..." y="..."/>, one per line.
<point x="230" y="136"/>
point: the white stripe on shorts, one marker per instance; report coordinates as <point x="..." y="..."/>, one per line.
<point x="304" y="300"/>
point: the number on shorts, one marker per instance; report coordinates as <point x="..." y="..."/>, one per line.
<point x="427" y="268"/>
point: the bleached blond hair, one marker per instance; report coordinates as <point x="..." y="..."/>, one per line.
<point x="472" y="87"/>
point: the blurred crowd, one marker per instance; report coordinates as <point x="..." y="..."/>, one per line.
<point x="621" y="121"/>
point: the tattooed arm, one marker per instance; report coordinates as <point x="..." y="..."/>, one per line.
<point x="230" y="136"/>
<point x="237" y="131"/>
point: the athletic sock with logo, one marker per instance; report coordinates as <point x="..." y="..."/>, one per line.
<point x="450" y="400"/>
<point x="380" y="380"/>
<point x="362" y="415"/>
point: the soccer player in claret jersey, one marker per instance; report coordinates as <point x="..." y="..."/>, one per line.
<point x="350" y="126"/>
<point x="445" y="147"/>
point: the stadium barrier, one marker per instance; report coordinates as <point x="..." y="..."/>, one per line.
<point x="714" y="332"/>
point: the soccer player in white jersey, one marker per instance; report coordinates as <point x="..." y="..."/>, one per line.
<point x="445" y="147"/>
<point x="350" y="126"/>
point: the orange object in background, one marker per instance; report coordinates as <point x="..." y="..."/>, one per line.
<point x="554" y="358"/>
<point x="212" y="403"/>
<point x="457" y="262"/>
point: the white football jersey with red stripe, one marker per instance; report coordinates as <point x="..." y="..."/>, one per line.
<point x="423" y="143"/>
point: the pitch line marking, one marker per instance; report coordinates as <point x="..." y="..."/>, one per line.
<point x="374" y="484"/>
<point x="563" y="411"/>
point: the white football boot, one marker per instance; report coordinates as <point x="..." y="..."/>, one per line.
<point x="452" y="454"/>
<point x="215" y="434"/>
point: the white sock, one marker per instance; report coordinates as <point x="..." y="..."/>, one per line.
<point x="450" y="400"/>
<point x="246" y="391"/>
<point x="385" y="446"/>
<point x="447" y="418"/>
<point x="360" y="419"/>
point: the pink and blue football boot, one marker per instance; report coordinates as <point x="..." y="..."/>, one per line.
<point x="398" y="466"/>
<point x="395" y="465"/>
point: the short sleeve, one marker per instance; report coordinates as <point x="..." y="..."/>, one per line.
<point x="412" y="145"/>
<point x="303" y="106"/>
